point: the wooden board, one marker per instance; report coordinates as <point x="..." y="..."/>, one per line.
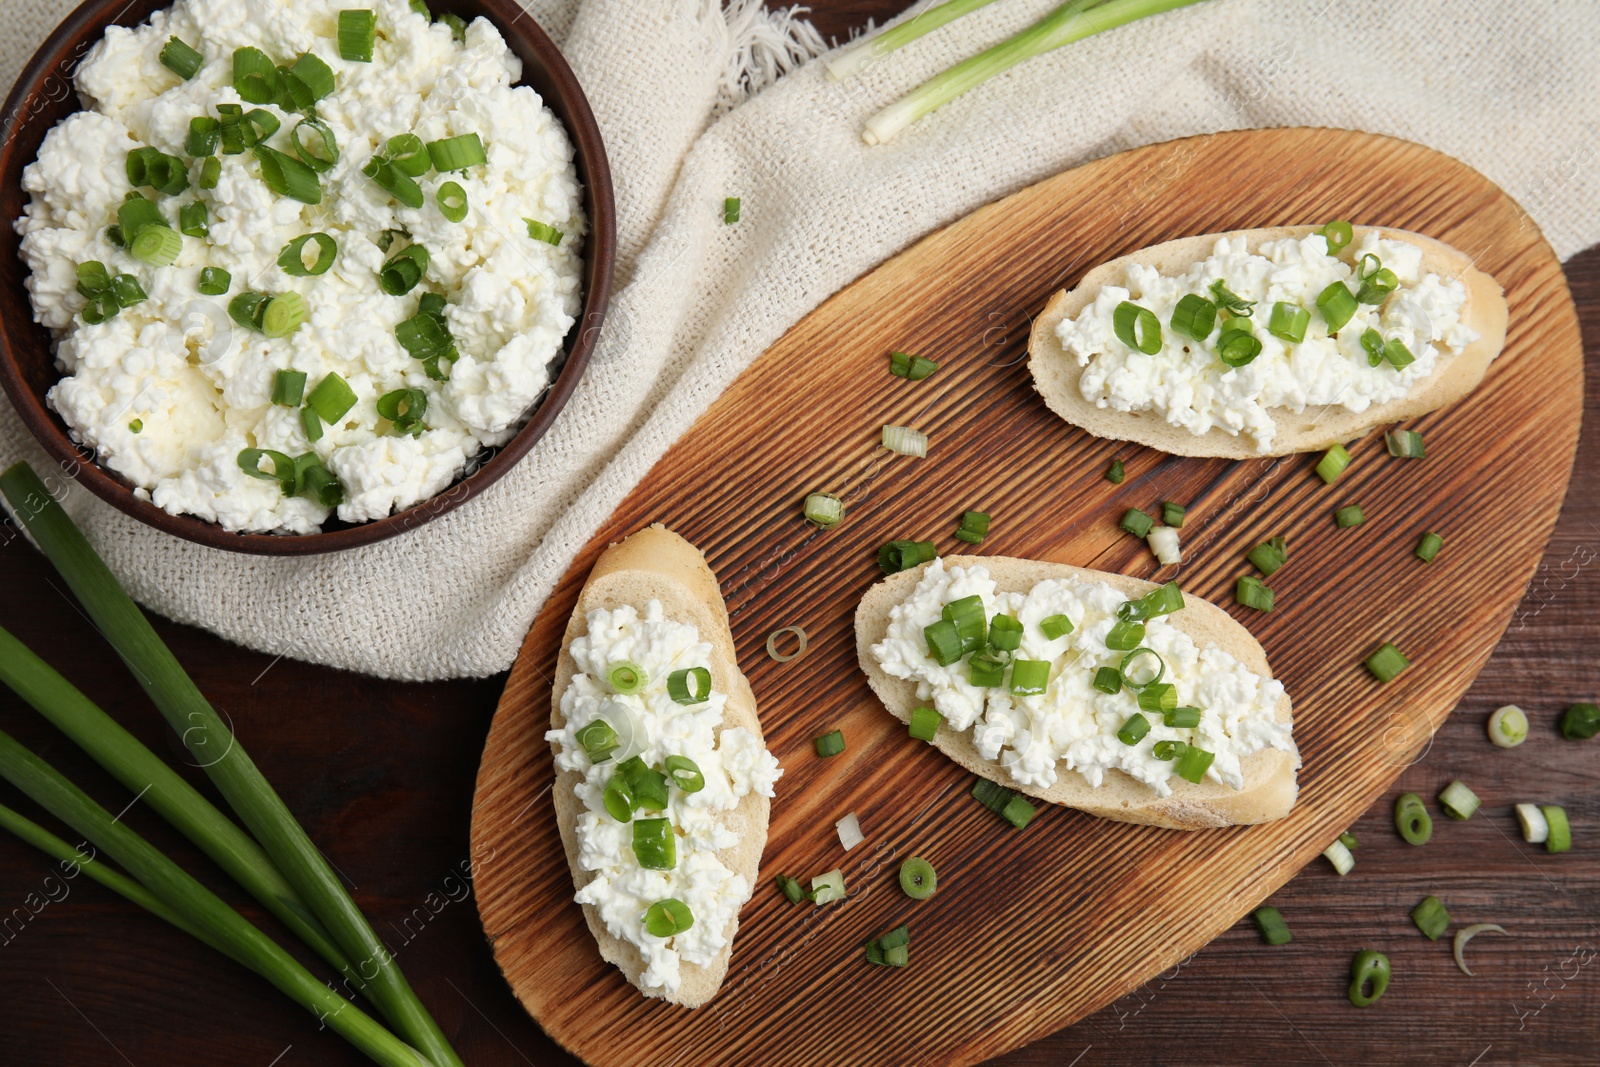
<point x="1033" y="930"/>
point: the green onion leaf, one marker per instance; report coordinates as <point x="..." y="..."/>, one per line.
<point x="311" y="423"/>
<point x="1137" y="522"/>
<point x="193" y="220"/>
<point x="911" y="367"/>
<point x="93" y="278"/>
<point x="313" y="73"/>
<point x="1458" y="801"/>
<point x="287" y="176"/>
<point x="1134" y="729"/>
<point x="1431" y="917"/>
<point x="1018" y="812"/>
<point x="1429" y="546"/>
<point x="626" y="677"/>
<point x="1005" y="634"/>
<point x="1369" y="969"/>
<point x="540" y="231"/>
<point x="1157" y="696"/>
<point x="1337" y="304"/>
<point x="214" y="281"/>
<point x="1125" y="671"/>
<point x="988" y="669"/>
<point x="1404" y="444"/>
<point x="282" y="472"/>
<point x="944" y="642"/>
<point x="181" y="59"/>
<point x="332" y="398"/>
<point x="101" y="308"/>
<point x="127" y="291"/>
<point x="210" y="172"/>
<point x="1052" y="627"/>
<point x="255" y="76"/>
<point x="1348" y="516"/>
<point x="246" y="309"/>
<point x="409" y="155"/>
<point x="405" y="408"/>
<point x="655" y="846"/>
<point x="1378" y="285"/>
<point x="1108" y="680"/>
<point x="1181" y="718"/>
<point x="1237" y="344"/>
<point x="1030" y="677"/>
<point x="1386" y="663"/>
<point x="667" y="917"/>
<point x="258" y="124"/>
<point x="289" y="387"/>
<point x="358" y="30"/>
<point x="293" y="256"/>
<point x="137" y="214"/>
<point x="925" y="723"/>
<point x="730" y="211"/>
<point x="1289" y="322"/>
<point x="1137" y="327"/>
<point x="1269" y="556"/>
<point x="157" y="170"/>
<point x="1252" y="592"/>
<point x="452" y="201"/>
<point x="459" y="153"/>
<point x="974" y="527"/>
<point x="1274" y="931"/>
<point x="318" y="483"/>
<point x="827" y="888"/>
<point x="204" y="134"/>
<point x="1580" y="722"/>
<point x="1230" y="302"/>
<point x="457" y="24"/>
<point x="1193" y="763"/>
<point x="1162" y="600"/>
<point x="1125" y="635"/>
<point x="1333" y="464"/>
<point x="1338" y="234"/>
<point x="905" y="441"/>
<point x="1559" y="836"/>
<point x="394" y="181"/>
<point x="1167" y="751"/>
<point x="919" y="881"/>
<point x="829" y="744"/>
<point x="1172" y="514"/>
<point x="1411" y="818"/>
<point x="897" y="556"/>
<point x="685" y="774"/>
<point x="791" y="889"/>
<point x="599" y="740"/>
<point x="1397" y="355"/>
<point x="283" y="315"/>
<point x="1195" y="316"/>
<point x="1372" y="343"/>
<point x="1115" y="473"/>
<point x="823" y="509"/>
<point x="404" y="270"/>
<point x="157" y="246"/>
<point x="315" y="144"/>
<point x="678" y="687"/>
<point x="232" y="128"/>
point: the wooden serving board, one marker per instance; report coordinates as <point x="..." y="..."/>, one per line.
<point x="1032" y="930"/>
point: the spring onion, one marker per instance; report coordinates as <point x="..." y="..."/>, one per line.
<point x="925" y="723"/>
<point x="1030" y="677"/>
<point x="1348" y="516"/>
<point x="245" y="309"/>
<point x="103" y="307"/>
<point x="1348" y="840"/>
<point x="1194" y="763"/>
<point x="1412" y="820"/>
<point x="230" y="127"/>
<point x="1559" y="835"/>
<point x="135" y="215"/>
<point x="404" y="408"/>
<point x="1124" y="635"/>
<point x="541" y="231"/>
<point x="1115" y="472"/>
<point x="204" y="134"/>
<point x="1107" y="680"/>
<point x="255" y="76"/>
<point x="1580" y="722"/>
<point x="1397" y="355"/>
<point x="1053" y="627"/>
<point x="1163" y="541"/>
<point x="1181" y="718"/>
<point x="1137" y="523"/>
<point x="1274" y="931"/>
<point x="680" y="689"/>
<point x="1387" y="662"/>
<point x="149" y="167"/>
<point x="1404" y="444"/>
<point x="626" y="677"/>
<point x="1133" y="729"/>
<point x="210" y="172"/>
<point x="1005" y="633"/>
<point x="314" y="142"/>
<point x="458" y="153"/>
<point x="849" y="830"/>
<point x="824" y="510"/>
<point x="944" y="642"/>
<point x="258" y="124"/>
<point x="452" y="200"/>
<point x="292" y="258"/>
<point x="599" y="740"/>
<point x="193" y="220"/>
<point x="311" y="73"/>
<point x="1337" y="304"/>
<point x="829" y="744"/>
<point x="1535" y="830"/>
<point x="1333" y="464"/>
<point x="987" y="670"/>
<point x="408" y="154"/>
<point x="1339" y="855"/>
<point x="1137" y="327"/>
<point x="1133" y="664"/>
<point x="283" y="315"/>
<point x="1289" y="322"/>
<point x="181" y="59"/>
<point x="1377" y="281"/>
<point x="1369" y="970"/>
<point x="790" y="888"/>
<point x="1010" y="806"/>
<point x="1467" y="933"/>
<point x="1195" y="316"/>
<point x="655" y="846"/>
<point x="1229" y="301"/>
<point x="911" y="367"/>
<point x="974" y="527"/>
<point x="1066" y="24"/>
<point x="827" y="888"/>
<point x="918" y="880"/>
<point x="1338" y="234"/>
<point x="1372" y="344"/>
<point x="905" y="441"/>
<point x="897" y="556"/>
<point x="127" y="291"/>
<point x="1173" y="514"/>
<point x="1508" y="726"/>
<point x="1252" y="592"/>
<point x="1428" y="547"/>
<point x="394" y="181"/>
<point x="667" y="917"/>
<point x="971" y="626"/>
<point x="358" y="30"/>
<point x="287" y="176"/>
<point x="800" y="646"/>
<point x="862" y="54"/>
<point x="426" y="337"/>
<point x="730" y="211"/>
<point x="1168" y="751"/>
<point x="156" y="246"/>
<point x="1431" y="917"/>
<point x="1018" y="812"/>
<point x="1157" y="696"/>
<point x="1237" y="344"/>
<point x="404" y="270"/>
<point x="93" y="278"/>
<point x="1269" y="556"/>
<point x="214" y="281"/>
<point x="288" y="387"/>
<point x="332" y="398"/>
<point x="311" y="424"/>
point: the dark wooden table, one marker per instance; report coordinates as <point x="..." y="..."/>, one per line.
<point x="382" y="773"/>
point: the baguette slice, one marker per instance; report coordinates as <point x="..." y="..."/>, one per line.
<point x="657" y="564"/>
<point x="1269" y="775"/>
<point x="1056" y="373"/>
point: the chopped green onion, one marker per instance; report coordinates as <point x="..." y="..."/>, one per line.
<point x="967" y="616"/>
<point x="655" y="846"/>
<point x="1252" y="592"/>
<point x="1181" y="718"/>
<point x="626" y="676"/>
<point x="1005" y="633"/>
<point x="1580" y="722"/>
<point x="1164" y="543"/>
<point x="293" y="257"/>
<point x="1338" y="234"/>
<point x="925" y="723"/>
<point x="1377" y="285"/>
<point x="1458" y="801"/>
<point x="101" y="308"/>
<point x="599" y="741"/>
<point x="312" y="72"/>
<point x="459" y="153"/>
<point x="1372" y="343"/>
<point x="667" y="917"/>
<point x="1508" y="726"/>
<point x="1173" y="514"/>
<point x="1348" y="516"/>
<point x="974" y="527"/>
<point x="918" y="879"/>
<point x="1429" y="546"/>
<point x="1338" y="854"/>
<point x="1271" y="555"/>
<point x="1018" y="812"/>
<point x="231" y="127"/>
<point x="204" y="133"/>
<point x="1404" y="444"/>
<point x="1387" y="662"/>
<point x="332" y="398"/>
<point x="911" y="367"/>
<point x="730" y="211"/>
<point x="1137" y="327"/>
<point x="1466" y="934"/>
<point x="1115" y="473"/>
<point x="685" y="773"/>
<point x="830" y="743"/>
<point x="679" y="689"/>
<point x="93" y="278"/>
<point x="1125" y="635"/>
<point x="1168" y="750"/>
<point x="157" y="246"/>
<point x="318" y="483"/>
<point x="1157" y="696"/>
<point x="181" y="59"/>
<point x="1368" y="969"/>
<point x="825" y="510"/>
<point x="214" y="281"/>
<point x="1411" y="818"/>
<point x="791" y="889"/>
<point x="897" y="556"/>
<point x="1274" y="931"/>
<point x="1289" y="321"/>
<point x="1230" y="302"/>
<point x="1134" y="729"/>
<point x="1030" y="677"/>
<point x="255" y="76"/>
<point x="1053" y="627"/>
<point x="283" y="315"/>
<point x="1130" y="659"/>
<point x="987" y="669"/>
<point x="1348" y="840"/>
<point x="315" y="144"/>
<point x="408" y="154"/>
<point x="404" y="270"/>
<point x="1431" y="917"/>
<point x="287" y="176"/>
<point x="540" y="231"/>
<point x="311" y="423"/>
<point x="1333" y="464"/>
<point x="135" y="215"/>
<point x="1137" y="522"/>
<point x="210" y="172"/>
<point x="1162" y="600"/>
<point x="991" y="795"/>
<point x="157" y="170"/>
<point x="1237" y="344"/>
<point x="648" y="785"/>
<point x="404" y="408"/>
<point x="1108" y="680"/>
<point x="288" y="387"/>
<point x="1560" y="833"/>
<point x="905" y="441"/>
<point x="421" y="8"/>
<point x="282" y="472"/>
<point x="1337" y="304"/>
<point x="259" y="124"/>
<point x="944" y="642"/>
<point x="1194" y="316"/>
<point x="1397" y="354"/>
<point x="1535" y="829"/>
<point x="867" y="51"/>
<point x="827" y="888"/>
<point x="452" y="201"/>
<point x="1194" y="763"/>
<point x="193" y="220"/>
<point x="358" y="30"/>
<point x="127" y="291"/>
<point x="394" y="181"/>
<point x="246" y="309"/>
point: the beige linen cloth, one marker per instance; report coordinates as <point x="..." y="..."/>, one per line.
<point x="1512" y="89"/>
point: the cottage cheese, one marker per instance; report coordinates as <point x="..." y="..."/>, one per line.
<point x="1072" y="725"/>
<point x="196" y="386"/>
<point x="735" y="764"/>
<point x="1188" y="385"/>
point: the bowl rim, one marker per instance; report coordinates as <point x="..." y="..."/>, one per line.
<point x="599" y="260"/>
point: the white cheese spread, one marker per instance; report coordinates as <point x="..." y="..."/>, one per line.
<point x="733" y="761"/>
<point x="170" y="391"/>
<point x="1190" y="386"/>
<point x="1072" y="725"/>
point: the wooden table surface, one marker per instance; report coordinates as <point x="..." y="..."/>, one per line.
<point x="381" y="774"/>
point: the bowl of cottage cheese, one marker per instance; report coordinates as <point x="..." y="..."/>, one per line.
<point x="288" y="276"/>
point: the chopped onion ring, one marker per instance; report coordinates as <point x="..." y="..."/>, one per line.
<point x="772" y="643"/>
<point x="1467" y="933"/>
<point x="1164" y="543"/>
<point x="850" y="834"/>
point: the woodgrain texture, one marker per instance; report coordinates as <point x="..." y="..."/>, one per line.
<point x="1031" y="931"/>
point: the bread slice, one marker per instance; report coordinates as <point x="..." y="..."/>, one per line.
<point x="1269" y="775"/>
<point x="1056" y="373"/>
<point x="657" y="564"/>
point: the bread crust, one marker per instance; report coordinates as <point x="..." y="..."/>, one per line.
<point x="1269" y="775"/>
<point x="1056" y="374"/>
<point x="657" y="564"/>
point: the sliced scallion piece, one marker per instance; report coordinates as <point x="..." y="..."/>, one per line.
<point x="1337" y="304"/>
<point x="246" y="308"/>
<point x="827" y="888"/>
<point x="1404" y="444"/>
<point x="292" y="259"/>
<point x="1377" y="281"/>
<point x="205" y="133"/>
<point x="1269" y="921"/>
<point x="311" y="423"/>
<point x="407" y="152"/>
<point x="1580" y="722"/>
<point x="910" y="366"/>
<point x="1167" y="751"/>
<point x="93" y="278"/>
<point x="829" y="744"/>
<point x="1157" y="696"/>
<point x="1369" y="977"/>
<point x="1162" y="600"/>
<point x="181" y="59"/>
<point x="1508" y="726"/>
<point x="897" y="556"/>
<point x="825" y="510"/>
<point x="458" y="153"/>
<point x="332" y="398"/>
<point x="730" y="211"/>
<point x="193" y="220"/>
<point x="1339" y="855"/>
<point x="655" y="846"/>
<point x="1289" y="322"/>
<point x="1387" y="662"/>
<point x="1193" y="764"/>
<point x="680" y="689"/>
<point x="1195" y="317"/>
<point x="156" y="246"/>
<point x="1137" y="327"/>
<point x="315" y="144"/>
<point x="974" y="527"/>
<point x="1412" y="820"/>
<point x="685" y="773"/>
<point x="127" y="291"/>
<point x="231" y="127"/>
<point x="1108" y="680"/>
<point x="1397" y="355"/>
<point x="944" y="642"/>
<point x="255" y="76"/>
<point x="287" y="176"/>
<point x="925" y="723"/>
<point x="1115" y="472"/>
<point x="1466" y="934"/>
<point x="1237" y="344"/>
<point x="394" y="181"/>
<point x="1252" y="592"/>
<point x="791" y="889"/>
<point x="1173" y="514"/>
<point x="1559" y="837"/>
<point x="1431" y="917"/>
<point x="1133" y="729"/>
<point x="1338" y="234"/>
<point x="1372" y="344"/>
<point x="452" y="201"/>
<point x="1163" y="541"/>
<point x="210" y="172"/>
<point x="542" y="231"/>
<point x="1535" y="830"/>
<point x="1348" y="516"/>
<point x="312" y="73"/>
<point x="668" y="917"/>
<point x="1018" y="812"/>
<point x="626" y="677"/>
<point x="918" y="879"/>
<point x="599" y="740"/>
<point x="1181" y="718"/>
<point x="1458" y="801"/>
<point x="259" y="124"/>
<point x="358" y="31"/>
<point x="404" y="270"/>
<point x="1029" y="677"/>
<point x="1271" y="555"/>
<point x="404" y="408"/>
<point x="1125" y="635"/>
<point x="283" y="315"/>
<point x="988" y="669"/>
<point x="152" y="168"/>
<point x="905" y="441"/>
<point x="1137" y="523"/>
<point x="288" y="387"/>
<point x="1429" y="546"/>
<point x="1231" y="302"/>
<point x="1333" y="464"/>
<point x="1136" y="672"/>
<point x="1053" y="627"/>
<point x="1005" y="633"/>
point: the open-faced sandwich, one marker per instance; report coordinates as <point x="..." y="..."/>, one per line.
<point x="1105" y="693"/>
<point x="663" y="778"/>
<point x="1266" y="342"/>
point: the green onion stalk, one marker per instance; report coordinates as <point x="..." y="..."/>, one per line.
<point x="214" y="921"/>
<point x="857" y="57"/>
<point x="235" y="775"/>
<point x="1066" y="24"/>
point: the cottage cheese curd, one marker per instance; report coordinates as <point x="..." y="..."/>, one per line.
<point x="170" y="391"/>
<point x="733" y="760"/>
<point x="1187" y="384"/>
<point x="1072" y="725"/>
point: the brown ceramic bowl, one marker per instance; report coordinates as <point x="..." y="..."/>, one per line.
<point x="44" y="95"/>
